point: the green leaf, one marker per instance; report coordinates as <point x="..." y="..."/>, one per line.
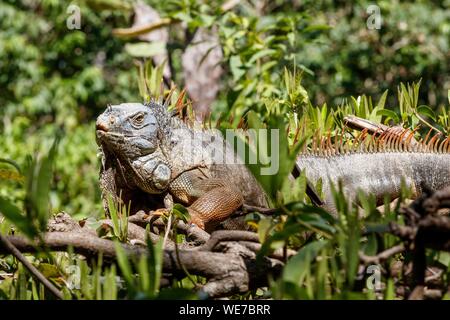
<point x="114" y="215"/>
<point x="39" y="173"/>
<point x="155" y="256"/>
<point x="444" y="259"/>
<point x="298" y="266"/>
<point x="100" y="5"/>
<point x="301" y="208"/>
<point x="426" y="111"/>
<point x="44" y="178"/>
<point x="381" y="103"/>
<point x="11" y="162"/>
<point x="317" y="27"/>
<point x="181" y="212"/>
<point x="49" y="270"/>
<point x="264" y="226"/>
<point x="260" y="54"/>
<point x="144" y="275"/>
<point x="254" y="121"/>
<point x="236" y="67"/>
<point x="389" y="114"/>
<point x="390" y="290"/>
<point x="278" y="238"/>
<point x="275" y="159"/>
<point x="145" y="49"/>
<point x="124" y="264"/>
<point x="14" y="215"/>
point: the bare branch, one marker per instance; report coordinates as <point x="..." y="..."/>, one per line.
<point x="267" y="211"/>
<point x="228" y="235"/>
<point x="140" y="30"/>
<point x="227" y="273"/>
<point x="382" y="256"/>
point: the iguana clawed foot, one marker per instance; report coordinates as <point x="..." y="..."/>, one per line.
<point x="161" y="212"/>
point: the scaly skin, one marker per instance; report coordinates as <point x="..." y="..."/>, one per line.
<point x="377" y="173"/>
<point x="148" y="153"/>
<point x="151" y="158"/>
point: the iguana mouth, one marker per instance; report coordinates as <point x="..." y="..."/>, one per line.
<point x="109" y="139"/>
<point x="103" y="133"/>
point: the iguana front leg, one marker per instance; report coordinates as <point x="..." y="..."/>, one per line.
<point x="210" y="201"/>
<point x="215" y="206"/>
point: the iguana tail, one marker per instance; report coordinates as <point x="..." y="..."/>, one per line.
<point x="378" y="166"/>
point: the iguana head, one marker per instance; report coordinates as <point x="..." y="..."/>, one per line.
<point x="128" y="129"/>
<point x="133" y="134"/>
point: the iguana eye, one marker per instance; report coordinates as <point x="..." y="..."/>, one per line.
<point x="138" y="119"/>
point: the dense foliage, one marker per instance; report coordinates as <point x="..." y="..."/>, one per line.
<point x="285" y="63"/>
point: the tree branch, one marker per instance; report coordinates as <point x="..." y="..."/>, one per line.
<point x="382" y="256"/>
<point x="140" y="30"/>
<point x="8" y="246"/>
<point x="227" y="273"/>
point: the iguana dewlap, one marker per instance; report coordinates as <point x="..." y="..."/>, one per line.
<point x="147" y="151"/>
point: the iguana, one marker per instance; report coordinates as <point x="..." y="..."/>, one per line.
<point x="147" y="151"/>
<point x="151" y="157"/>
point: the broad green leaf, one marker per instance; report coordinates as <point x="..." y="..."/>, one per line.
<point x="181" y="212"/>
<point x="426" y="111"/>
<point x="236" y="67"/>
<point x="145" y="49"/>
<point x="444" y="258"/>
<point x="264" y="226"/>
<point x="14" y="215"/>
<point x="49" y="270"/>
<point x="297" y="267"/>
<point x="276" y="239"/>
<point x="389" y="114"/>
<point x="260" y="54"/>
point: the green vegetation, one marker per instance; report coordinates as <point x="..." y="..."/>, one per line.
<point x="285" y="65"/>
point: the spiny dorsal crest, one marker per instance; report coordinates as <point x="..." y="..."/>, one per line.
<point x="391" y="140"/>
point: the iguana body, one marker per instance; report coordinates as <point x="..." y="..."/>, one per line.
<point x="149" y="155"/>
<point x="149" y="152"/>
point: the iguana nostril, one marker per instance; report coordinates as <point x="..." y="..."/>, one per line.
<point x="104" y="122"/>
<point x="101" y="125"/>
